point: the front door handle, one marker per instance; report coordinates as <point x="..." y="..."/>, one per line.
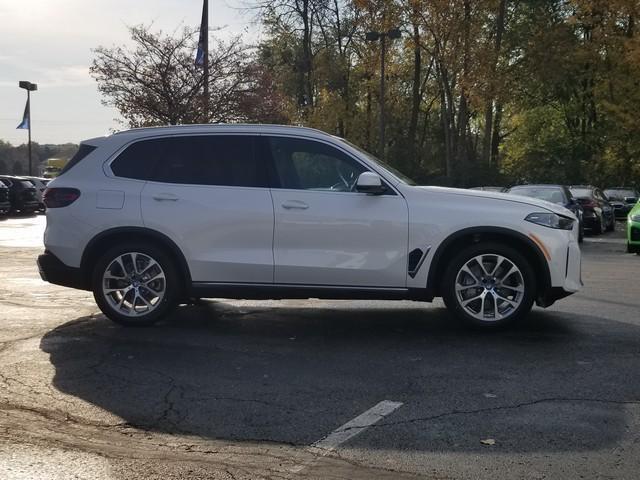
<point x="295" y="204"/>
<point x="165" y="197"/>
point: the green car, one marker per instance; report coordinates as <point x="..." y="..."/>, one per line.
<point x="633" y="230"/>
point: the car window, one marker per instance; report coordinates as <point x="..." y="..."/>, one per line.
<point x="581" y="192"/>
<point x="226" y="160"/>
<point x="553" y="195"/>
<point x="310" y="165"/>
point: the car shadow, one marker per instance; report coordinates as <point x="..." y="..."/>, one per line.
<point x="292" y="372"/>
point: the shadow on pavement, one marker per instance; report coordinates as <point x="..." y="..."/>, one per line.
<point x="292" y="374"/>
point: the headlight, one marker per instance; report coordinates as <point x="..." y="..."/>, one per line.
<point x="551" y="220"/>
<point x="635" y="218"/>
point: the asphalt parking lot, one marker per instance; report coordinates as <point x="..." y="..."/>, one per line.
<point x="285" y="389"/>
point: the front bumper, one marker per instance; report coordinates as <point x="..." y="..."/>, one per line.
<point x="566" y="275"/>
<point x="52" y="270"/>
<point x="5" y="207"/>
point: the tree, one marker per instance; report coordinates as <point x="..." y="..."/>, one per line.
<point x="156" y="82"/>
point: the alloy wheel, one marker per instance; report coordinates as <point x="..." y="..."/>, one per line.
<point x="134" y="284"/>
<point x="489" y="287"/>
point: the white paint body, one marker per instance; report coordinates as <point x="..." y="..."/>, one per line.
<point x="278" y="236"/>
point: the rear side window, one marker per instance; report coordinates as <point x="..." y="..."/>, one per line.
<point x="226" y="160"/>
<point x="139" y="160"/>
<point x="82" y="152"/>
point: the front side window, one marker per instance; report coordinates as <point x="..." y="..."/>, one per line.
<point x="309" y="165"/>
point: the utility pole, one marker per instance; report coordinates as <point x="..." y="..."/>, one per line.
<point x="382" y="36"/>
<point x="29" y="87"/>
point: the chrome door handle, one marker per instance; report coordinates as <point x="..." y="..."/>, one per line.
<point x="165" y="197"/>
<point x="297" y="204"/>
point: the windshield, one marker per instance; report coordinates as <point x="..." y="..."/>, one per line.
<point x="619" y="194"/>
<point x="581" y="192"/>
<point x="393" y="171"/>
<point x="553" y="195"/>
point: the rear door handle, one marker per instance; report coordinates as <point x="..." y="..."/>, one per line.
<point x="295" y="204"/>
<point x="165" y="197"/>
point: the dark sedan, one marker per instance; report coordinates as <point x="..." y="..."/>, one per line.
<point x="22" y="194"/>
<point x="558" y="194"/>
<point x="598" y="212"/>
<point x="622" y="199"/>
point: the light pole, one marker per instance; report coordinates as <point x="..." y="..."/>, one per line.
<point x="374" y="37"/>
<point x="29" y="87"/>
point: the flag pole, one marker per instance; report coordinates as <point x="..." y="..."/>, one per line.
<point x="205" y="27"/>
<point x="29" y="116"/>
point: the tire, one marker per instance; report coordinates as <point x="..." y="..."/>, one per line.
<point x="580" y="233"/>
<point x="155" y="286"/>
<point x="597" y="228"/>
<point x="499" y="260"/>
<point x="612" y="226"/>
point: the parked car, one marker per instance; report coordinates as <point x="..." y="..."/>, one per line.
<point x="598" y="212"/>
<point x="558" y="194"/>
<point x="633" y="229"/>
<point x="5" y="204"/>
<point x="41" y="186"/>
<point x="22" y="194"/>
<point x="149" y="218"/>
<point x="489" y="189"/>
<point x="622" y="199"/>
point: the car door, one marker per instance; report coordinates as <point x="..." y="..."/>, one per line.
<point x="210" y="195"/>
<point x="326" y="233"/>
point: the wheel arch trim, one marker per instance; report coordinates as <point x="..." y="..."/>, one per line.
<point x="164" y="240"/>
<point x="439" y="254"/>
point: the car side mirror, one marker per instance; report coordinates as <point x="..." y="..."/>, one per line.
<point x="371" y="183"/>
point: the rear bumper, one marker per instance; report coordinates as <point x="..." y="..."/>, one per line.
<point x="5" y="207"/>
<point x="52" y="270"/>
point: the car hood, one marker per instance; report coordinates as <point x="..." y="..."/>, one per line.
<point x="502" y="197"/>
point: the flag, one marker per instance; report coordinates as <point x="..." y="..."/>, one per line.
<point x="24" y="124"/>
<point x="202" y="39"/>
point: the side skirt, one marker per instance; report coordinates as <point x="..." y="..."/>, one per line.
<point x="258" y="291"/>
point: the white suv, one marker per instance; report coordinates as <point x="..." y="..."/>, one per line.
<point x="150" y="218"/>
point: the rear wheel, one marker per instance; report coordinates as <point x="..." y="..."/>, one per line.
<point x="489" y="285"/>
<point x="135" y="284"/>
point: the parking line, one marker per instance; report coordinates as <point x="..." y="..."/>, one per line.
<point x="349" y="430"/>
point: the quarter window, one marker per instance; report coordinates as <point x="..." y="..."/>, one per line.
<point x="310" y="165"/>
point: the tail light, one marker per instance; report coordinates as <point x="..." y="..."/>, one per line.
<point x="60" y="197"/>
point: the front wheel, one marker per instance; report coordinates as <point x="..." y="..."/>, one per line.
<point x="135" y="284"/>
<point x="489" y="285"/>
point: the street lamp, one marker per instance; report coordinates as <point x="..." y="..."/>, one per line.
<point x="374" y="37"/>
<point x="29" y="87"/>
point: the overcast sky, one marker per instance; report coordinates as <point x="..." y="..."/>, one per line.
<point x="49" y="42"/>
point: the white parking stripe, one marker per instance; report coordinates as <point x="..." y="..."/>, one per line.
<point x="619" y="241"/>
<point x="350" y="429"/>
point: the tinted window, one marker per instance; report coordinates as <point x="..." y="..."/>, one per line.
<point x="200" y="160"/>
<point x="310" y="165"/>
<point x="140" y="159"/>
